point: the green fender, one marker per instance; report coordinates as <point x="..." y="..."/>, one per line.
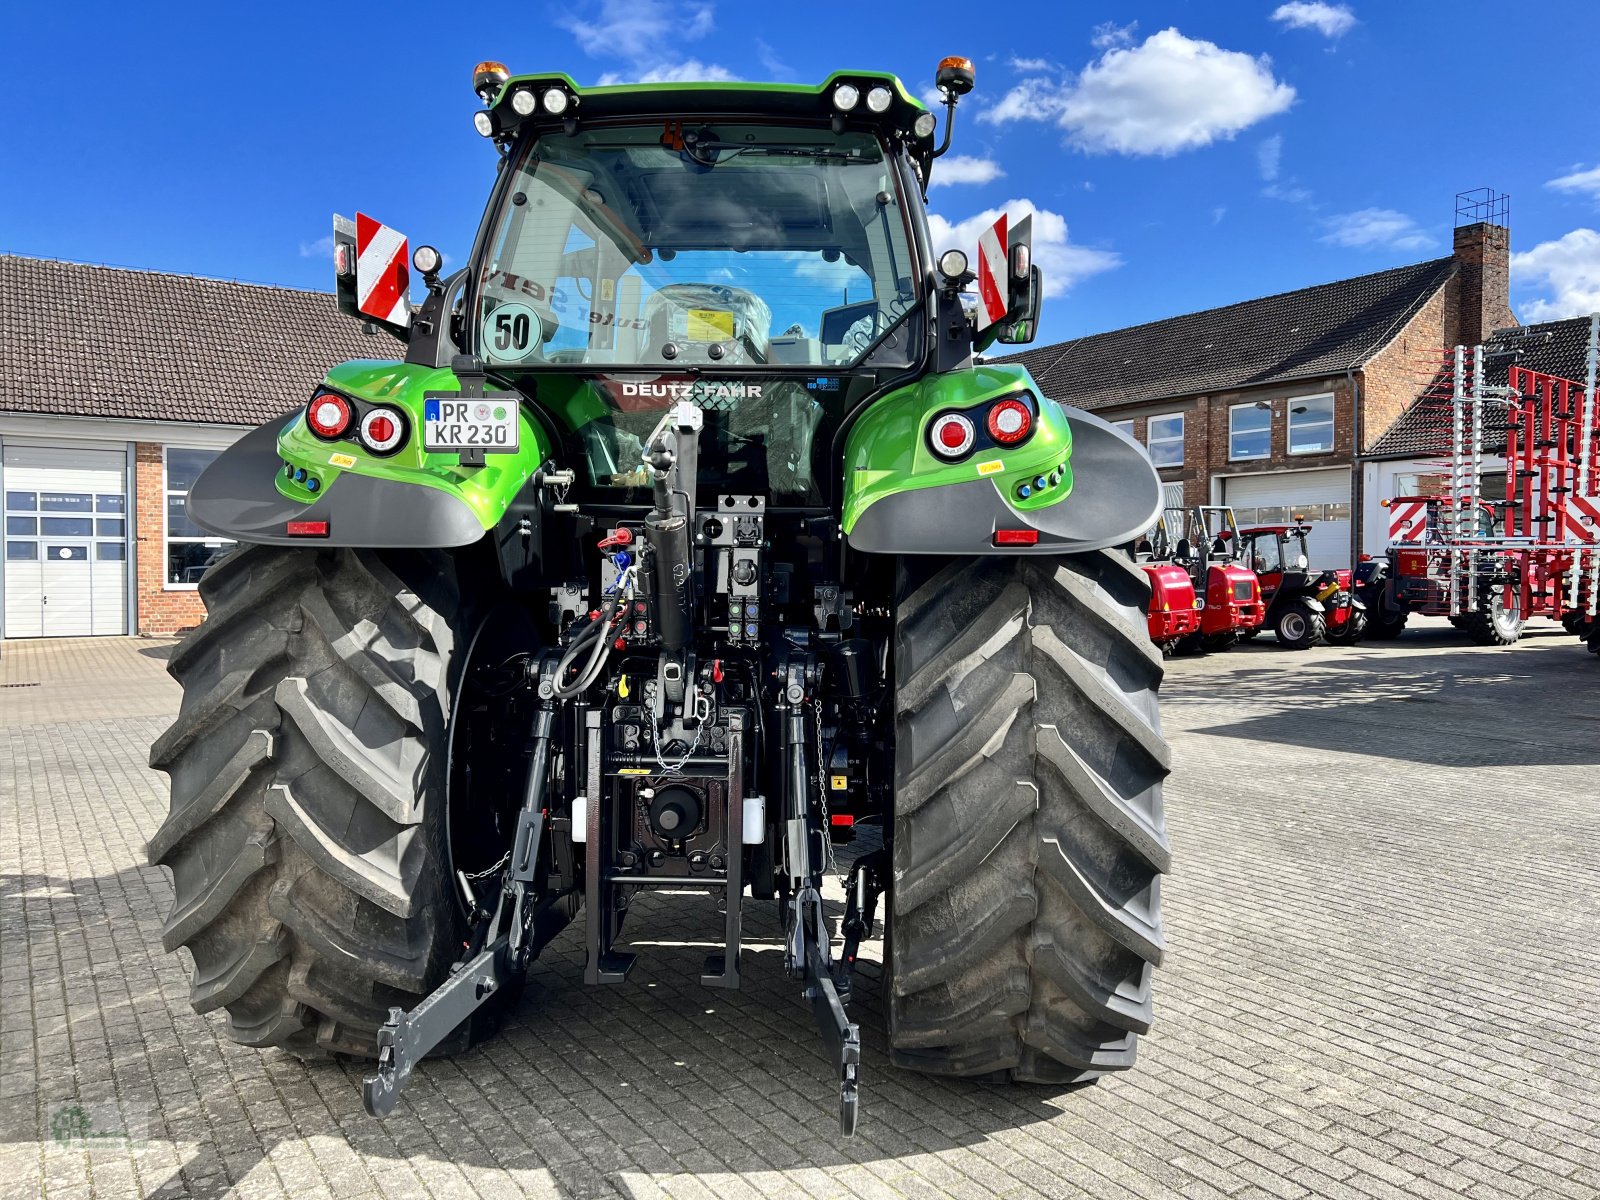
<point x="282" y="473"/>
<point x="1076" y="483"/>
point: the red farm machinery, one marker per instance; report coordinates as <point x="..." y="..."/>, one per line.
<point x="1532" y="549"/>
<point x="1304" y="606"/>
<point x="1191" y="558"/>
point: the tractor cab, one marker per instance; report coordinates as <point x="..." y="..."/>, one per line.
<point x="1302" y="606"/>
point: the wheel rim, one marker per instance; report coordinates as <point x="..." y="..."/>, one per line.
<point x="1506" y="616"/>
<point x="487" y="756"/>
<point x="1293" y="625"/>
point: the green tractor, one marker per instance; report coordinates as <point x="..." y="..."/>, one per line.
<point x="688" y="542"/>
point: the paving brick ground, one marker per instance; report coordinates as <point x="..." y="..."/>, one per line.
<point x="1381" y="982"/>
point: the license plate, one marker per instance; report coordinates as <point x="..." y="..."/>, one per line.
<point x="489" y="425"/>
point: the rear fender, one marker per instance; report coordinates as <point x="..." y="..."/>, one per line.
<point x="282" y="473"/>
<point x="1076" y="484"/>
<point x="1311" y="602"/>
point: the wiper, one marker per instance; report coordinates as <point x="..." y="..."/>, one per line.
<point x="770" y="149"/>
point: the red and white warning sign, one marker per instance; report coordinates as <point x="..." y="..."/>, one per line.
<point x="1583" y="518"/>
<point x="1408" y="520"/>
<point x="382" y="277"/>
<point x="992" y="299"/>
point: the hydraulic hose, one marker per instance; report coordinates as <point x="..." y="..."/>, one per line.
<point x="596" y="631"/>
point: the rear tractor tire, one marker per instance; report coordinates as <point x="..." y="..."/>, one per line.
<point x="1299" y="627"/>
<point x="1352" y="631"/>
<point x="1385" y="626"/>
<point x="1029" y="836"/>
<point x="308" y="836"/>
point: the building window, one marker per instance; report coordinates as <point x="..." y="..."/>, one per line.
<point x="1164" y="436"/>
<point x="1311" y="425"/>
<point x="1250" y="431"/>
<point x="190" y="549"/>
<point x="1125" y="426"/>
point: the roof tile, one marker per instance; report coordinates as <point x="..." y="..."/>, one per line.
<point x="95" y="341"/>
<point x="1314" y="331"/>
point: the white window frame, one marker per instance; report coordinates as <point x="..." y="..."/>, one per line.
<point x="1126" y="427"/>
<point x="1150" y="441"/>
<point x="167" y="540"/>
<point x="1255" y="405"/>
<point x="1289" y="427"/>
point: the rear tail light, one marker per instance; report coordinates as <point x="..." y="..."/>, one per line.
<point x="383" y="430"/>
<point x="952" y="435"/>
<point x="328" y="415"/>
<point x="1010" y="422"/>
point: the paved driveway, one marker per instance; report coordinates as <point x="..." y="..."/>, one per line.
<point x="1381" y="981"/>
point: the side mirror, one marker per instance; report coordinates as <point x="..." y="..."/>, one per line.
<point x="1024" y="287"/>
<point x="1022" y="321"/>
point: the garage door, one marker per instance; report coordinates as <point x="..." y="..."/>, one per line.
<point x="1322" y="497"/>
<point x="66" y="542"/>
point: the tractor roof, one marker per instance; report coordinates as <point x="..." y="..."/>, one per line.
<point x="1275" y="530"/>
<point x="674" y="101"/>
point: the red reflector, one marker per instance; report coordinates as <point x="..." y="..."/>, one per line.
<point x="1016" y="537"/>
<point x="843" y="819"/>
<point x="307" y="529"/>
<point x="380" y="429"/>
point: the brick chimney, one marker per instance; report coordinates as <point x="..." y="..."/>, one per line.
<point x="1483" y="269"/>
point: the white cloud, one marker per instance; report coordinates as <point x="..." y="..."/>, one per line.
<point x="635" y="31"/>
<point x="1108" y="35"/>
<point x="1569" y="267"/>
<point x="1268" y="156"/>
<point x="689" y="71"/>
<point x="1030" y="100"/>
<point x="1330" y="20"/>
<point x="1062" y="262"/>
<point x="1218" y="213"/>
<point x="1029" y="64"/>
<point x="774" y="66"/>
<point x="1372" y="228"/>
<point x="1171" y="93"/>
<point x="963" y="168"/>
<point x="1168" y="94"/>
<point x="1582" y="182"/>
<point x="1287" y="192"/>
<point x="321" y="248"/>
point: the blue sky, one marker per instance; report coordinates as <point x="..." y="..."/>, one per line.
<point x="1180" y="155"/>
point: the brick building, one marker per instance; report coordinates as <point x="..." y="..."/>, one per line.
<point x="1268" y="404"/>
<point x="116" y="388"/>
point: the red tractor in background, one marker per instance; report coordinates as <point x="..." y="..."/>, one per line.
<point x="1414" y="576"/>
<point x="1303" y="607"/>
<point x="1191" y="552"/>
